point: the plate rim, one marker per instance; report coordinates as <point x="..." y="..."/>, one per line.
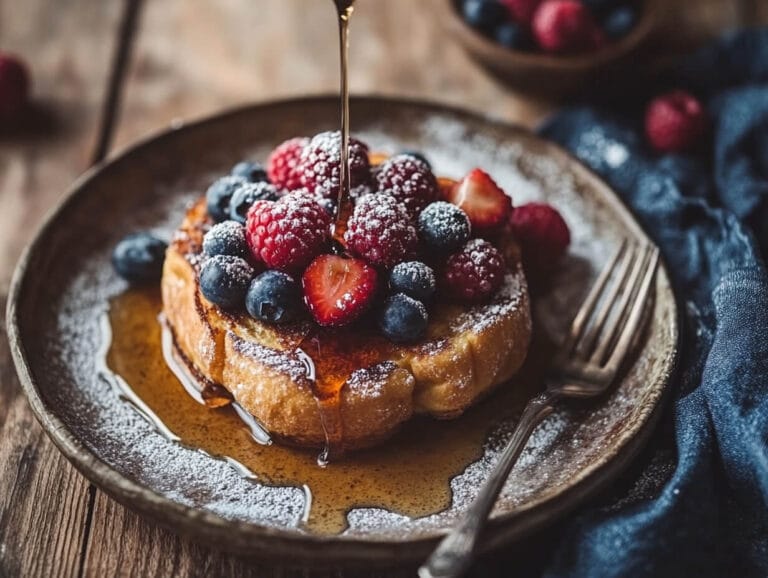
<point x="276" y="542"/>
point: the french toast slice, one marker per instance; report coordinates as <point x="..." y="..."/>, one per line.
<point x="466" y="353"/>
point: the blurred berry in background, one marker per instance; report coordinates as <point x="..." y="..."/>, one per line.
<point x="553" y="26"/>
<point x="14" y="88"/>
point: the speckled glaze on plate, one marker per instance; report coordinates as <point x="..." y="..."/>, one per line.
<point x="63" y="284"/>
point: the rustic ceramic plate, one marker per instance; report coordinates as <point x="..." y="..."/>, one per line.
<point x="64" y="282"/>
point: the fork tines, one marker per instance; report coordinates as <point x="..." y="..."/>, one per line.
<point x="603" y="330"/>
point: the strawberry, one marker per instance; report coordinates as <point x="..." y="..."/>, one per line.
<point x="445" y="185"/>
<point x="487" y="206"/>
<point x="337" y="290"/>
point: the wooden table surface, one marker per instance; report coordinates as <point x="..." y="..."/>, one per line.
<point x="192" y="58"/>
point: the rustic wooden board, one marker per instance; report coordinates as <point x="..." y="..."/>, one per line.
<point x="192" y="58"/>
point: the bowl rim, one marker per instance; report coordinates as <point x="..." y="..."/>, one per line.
<point x="277" y="543"/>
<point x="479" y="43"/>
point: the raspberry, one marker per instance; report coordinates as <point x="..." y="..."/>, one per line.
<point x="543" y="234"/>
<point x="282" y="163"/>
<point x="475" y="272"/>
<point x="14" y="87"/>
<point x="288" y="233"/>
<point x="675" y="121"/>
<point x="521" y="11"/>
<point x="410" y="181"/>
<point x="320" y="164"/>
<point x="381" y="231"/>
<point x="566" y="27"/>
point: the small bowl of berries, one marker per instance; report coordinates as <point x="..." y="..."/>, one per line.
<point x="553" y="48"/>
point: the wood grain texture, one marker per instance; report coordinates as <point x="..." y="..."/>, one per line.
<point x="44" y="503"/>
<point x="193" y="58"/>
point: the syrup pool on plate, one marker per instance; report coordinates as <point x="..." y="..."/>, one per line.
<point x="409" y="474"/>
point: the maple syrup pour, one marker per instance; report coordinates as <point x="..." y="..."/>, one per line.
<point x="409" y="474"/>
<point x="345" y="8"/>
<point x="327" y="389"/>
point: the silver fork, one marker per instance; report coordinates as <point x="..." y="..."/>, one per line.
<point x="601" y="336"/>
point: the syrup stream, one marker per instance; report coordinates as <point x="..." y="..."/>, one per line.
<point x="345" y="9"/>
<point x="327" y="392"/>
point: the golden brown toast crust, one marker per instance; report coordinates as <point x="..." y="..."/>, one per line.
<point x="467" y="351"/>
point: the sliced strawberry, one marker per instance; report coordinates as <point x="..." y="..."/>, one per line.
<point x="486" y="205"/>
<point x="337" y="290"/>
<point x="445" y="185"/>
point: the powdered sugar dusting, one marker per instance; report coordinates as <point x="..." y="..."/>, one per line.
<point x="369" y="382"/>
<point x="319" y="167"/>
<point x="279" y="361"/>
<point x="506" y="300"/>
<point x="568" y="446"/>
<point x="446" y="219"/>
<point x="381" y="230"/>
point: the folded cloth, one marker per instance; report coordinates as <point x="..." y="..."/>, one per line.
<point x="702" y="509"/>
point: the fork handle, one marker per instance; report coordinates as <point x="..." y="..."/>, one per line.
<point x="453" y="556"/>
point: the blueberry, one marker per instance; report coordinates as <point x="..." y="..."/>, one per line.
<point x="514" y="37"/>
<point x="485" y="15"/>
<point x="619" y="22"/>
<point x="138" y="258"/>
<point x="403" y="319"/>
<point x="274" y="297"/>
<point x="226" y="238"/>
<point x="444" y="227"/>
<point x="247" y="194"/>
<point x="219" y="195"/>
<point x="252" y="172"/>
<point x="224" y="281"/>
<point x="413" y="278"/>
<point x="419" y="155"/>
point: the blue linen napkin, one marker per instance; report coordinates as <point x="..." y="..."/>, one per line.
<point x="701" y="507"/>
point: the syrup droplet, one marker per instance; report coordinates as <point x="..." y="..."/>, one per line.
<point x="326" y="389"/>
